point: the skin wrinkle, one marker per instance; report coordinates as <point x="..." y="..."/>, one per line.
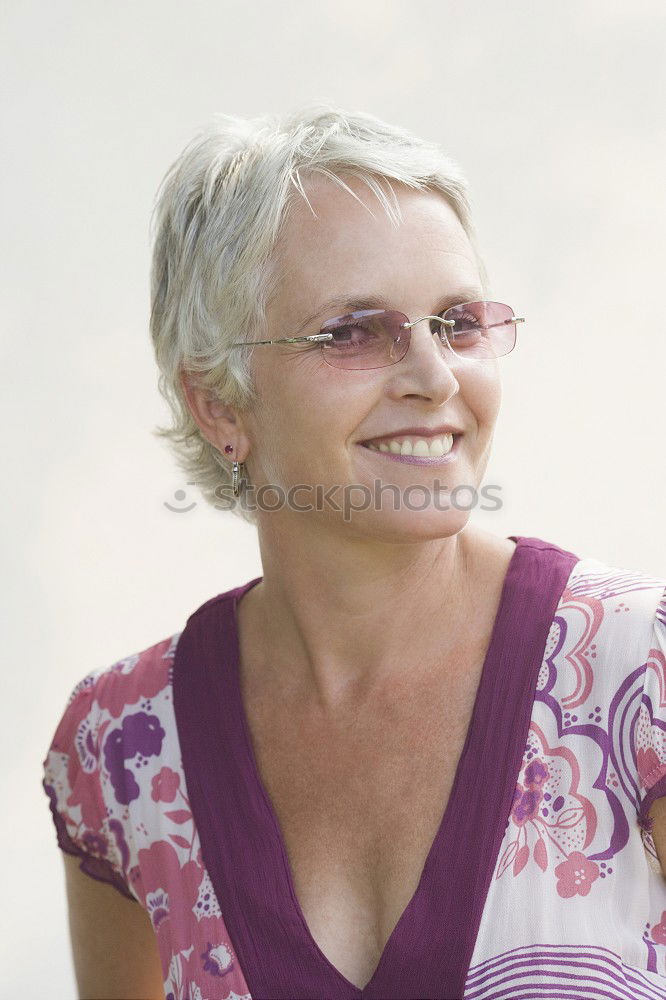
<point x="365" y="301"/>
<point x="363" y="643"/>
<point x="361" y="650"/>
<point x="392" y="580"/>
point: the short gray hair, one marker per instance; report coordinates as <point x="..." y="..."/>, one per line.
<point x="218" y="215"/>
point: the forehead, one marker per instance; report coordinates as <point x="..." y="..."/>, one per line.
<point x="344" y="248"/>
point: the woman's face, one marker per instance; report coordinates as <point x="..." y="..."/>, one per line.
<point x="312" y="419"/>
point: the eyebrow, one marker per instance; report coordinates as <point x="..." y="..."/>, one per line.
<point x="347" y="303"/>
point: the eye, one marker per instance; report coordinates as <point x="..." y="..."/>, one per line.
<point x="358" y="334"/>
<point x="467" y="318"/>
<point x="353" y="332"/>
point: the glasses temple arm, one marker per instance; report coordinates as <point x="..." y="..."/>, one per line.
<point x="285" y="340"/>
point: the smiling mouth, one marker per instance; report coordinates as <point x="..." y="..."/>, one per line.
<point x="418" y="446"/>
<point x="417" y="451"/>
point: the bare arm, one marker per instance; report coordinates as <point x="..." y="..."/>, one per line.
<point x="657" y="812"/>
<point x="113" y="942"/>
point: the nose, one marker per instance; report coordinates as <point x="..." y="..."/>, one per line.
<point x="440" y="328"/>
<point x="437" y="333"/>
<point x="427" y="367"/>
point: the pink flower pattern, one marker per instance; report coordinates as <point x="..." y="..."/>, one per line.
<point x="596" y="746"/>
<point x="576" y="875"/>
<point x="165" y="785"/>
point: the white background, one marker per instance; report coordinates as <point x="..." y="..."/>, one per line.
<point x="555" y="112"/>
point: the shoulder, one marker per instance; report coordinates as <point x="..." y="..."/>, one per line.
<point x="622" y="616"/>
<point x="107" y="694"/>
<point x="112" y="713"/>
<point x="607" y="641"/>
<point x="623" y="608"/>
<point x="630" y="604"/>
<point x="610" y="632"/>
<point x="113" y="716"/>
<point x="129" y="680"/>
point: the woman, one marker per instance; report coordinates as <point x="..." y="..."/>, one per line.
<point x="413" y="759"/>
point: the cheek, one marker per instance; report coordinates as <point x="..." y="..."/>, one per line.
<point x="292" y="417"/>
<point x="482" y="392"/>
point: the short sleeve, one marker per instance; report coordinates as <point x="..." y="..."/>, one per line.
<point x="72" y="783"/>
<point x="650" y="729"/>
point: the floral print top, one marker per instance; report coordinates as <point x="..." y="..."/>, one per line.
<point x="543" y="879"/>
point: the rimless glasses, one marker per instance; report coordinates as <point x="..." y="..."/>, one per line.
<point x="374" y="338"/>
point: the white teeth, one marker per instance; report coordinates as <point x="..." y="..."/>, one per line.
<point x="435" y="448"/>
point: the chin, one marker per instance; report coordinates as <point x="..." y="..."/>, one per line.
<point x="408" y="526"/>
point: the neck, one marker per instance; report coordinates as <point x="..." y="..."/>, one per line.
<point x="335" y="621"/>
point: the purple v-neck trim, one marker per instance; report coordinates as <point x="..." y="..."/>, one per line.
<point x="429" y="951"/>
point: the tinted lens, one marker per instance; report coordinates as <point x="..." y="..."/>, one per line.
<point x="481" y="330"/>
<point x="373" y="338"/>
<point x="365" y="339"/>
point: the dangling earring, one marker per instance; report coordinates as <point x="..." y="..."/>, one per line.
<point x="237" y="473"/>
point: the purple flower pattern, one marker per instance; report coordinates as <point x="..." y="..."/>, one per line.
<point x="597" y="739"/>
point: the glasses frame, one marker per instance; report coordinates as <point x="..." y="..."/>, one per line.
<point x="319" y="337"/>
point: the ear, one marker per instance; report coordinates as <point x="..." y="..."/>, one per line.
<point x="216" y="420"/>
